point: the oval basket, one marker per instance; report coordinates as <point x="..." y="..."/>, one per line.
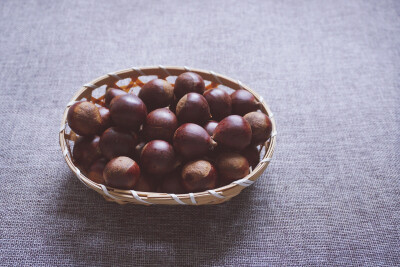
<point x="134" y="78"/>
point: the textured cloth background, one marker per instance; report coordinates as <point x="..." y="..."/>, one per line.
<point x="329" y="71"/>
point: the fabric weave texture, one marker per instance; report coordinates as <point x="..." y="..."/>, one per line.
<point x="330" y="71"/>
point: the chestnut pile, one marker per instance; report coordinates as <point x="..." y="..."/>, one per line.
<point x="169" y="139"/>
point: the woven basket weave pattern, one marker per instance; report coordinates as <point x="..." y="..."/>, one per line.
<point x="134" y="75"/>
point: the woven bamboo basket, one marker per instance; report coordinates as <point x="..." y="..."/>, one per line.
<point x="134" y="78"/>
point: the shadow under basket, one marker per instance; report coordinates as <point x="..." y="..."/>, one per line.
<point x="131" y="80"/>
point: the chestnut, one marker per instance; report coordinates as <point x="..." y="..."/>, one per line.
<point x="210" y="127"/>
<point x="158" y="157"/>
<point x="192" y="141"/>
<point x="199" y="175"/>
<point x="121" y="173"/>
<point x="84" y="118"/>
<point x="243" y="102"/>
<point x="111" y="93"/>
<point x="172" y="183"/>
<point x="145" y="184"/>
<point x="193" y="107"/>
<point x="128" y="111"/>
<point x="95" y="172"/>
<point x="220" y="103"/>
<point x="138" y="150"/>
<point x="86" y="150"/>
<point x="160" y="124"/>
<point x="157" y="93"/>
<point x="233" y="132"/>
<point x="188" y="82"/>
<point x="261" y="127"/>
<point x="252" y="154"/>
<point x="232" y="166"/>
<point x="116" y="142"/>
<point x="105" y="119"/>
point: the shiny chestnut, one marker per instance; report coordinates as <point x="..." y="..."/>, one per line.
<point x="233" y="132"/>
<point x="220" y="103"/>
<point x="128" y="111"/>
<point x="157" y="93"/>
<point x="160" y="124"/>
<point x="243" y="102"/>
<point x="158" y="157"/>
<point x="192" y="141"/>
<point x="188" y="82"/>
<point x="194" y="108"/>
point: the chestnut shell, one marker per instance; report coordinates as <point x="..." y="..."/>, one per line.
<point x="122" y="173"/>
<point x="145" y="184"/>
<point x="261" y="127"/>
<point x="194" y="108"/>
<point x="210" y="127"/>
<point x="192" y="141"/>
<point x="158" y="157"/>
<point x="128" y="111"/>
<point x="84" y="118"/>
<point x="252" y="155"/>
<point x="243" y="102"/>
<point x="106" y="121"/>
<point x="157" y="93"/>
<point x="233" y="132"/>
<point x="188" y="82"/>
<point x="160" y="124"/>
<point x="95" y="172"/>
<point x="232" y="166"/>
<point x="220" y="103"/>
<point x="199" y="175"/>
<point x="116" y="141"/>
<point x="111" y="93"/>
<point x="86" y="150"/>
<point x="171" y="183"/>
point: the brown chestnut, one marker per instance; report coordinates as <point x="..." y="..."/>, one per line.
<point x="210" y="127"/>
<point x="95" y="172"/>
<point x="172" y="183"/>
<point x="122" y="173"/>
<point x="116" y="142"/>
<point x="105" y="119"/>
<point x="261" y="127"/>
<point x="111" y="93"/>
<point x="188" y="82"/>
<point x="158" y="157"/>
<point x="193" y="107"/>
<point x="157" y="93"/>
<point x="138" y="151"/>
<point x="220" y="103"/>
<point x="233" y="132"/>
<point x="145" y="184"/>
<point x="128" y="111"/>
<point x="84" y="118"/>
<point x="199" y="175"/>
<point x="160" y="124"/>
<point x="192" y="141"/>
<point x="86" y="150"/>
<point x="232" y="166"/>
<point x="243" y="102"/>
<point x="252" y="155"/>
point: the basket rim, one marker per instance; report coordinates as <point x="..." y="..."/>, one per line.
<point x="146" y="198"/>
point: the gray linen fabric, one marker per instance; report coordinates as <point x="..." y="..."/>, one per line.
<point x="329" y="71"/>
